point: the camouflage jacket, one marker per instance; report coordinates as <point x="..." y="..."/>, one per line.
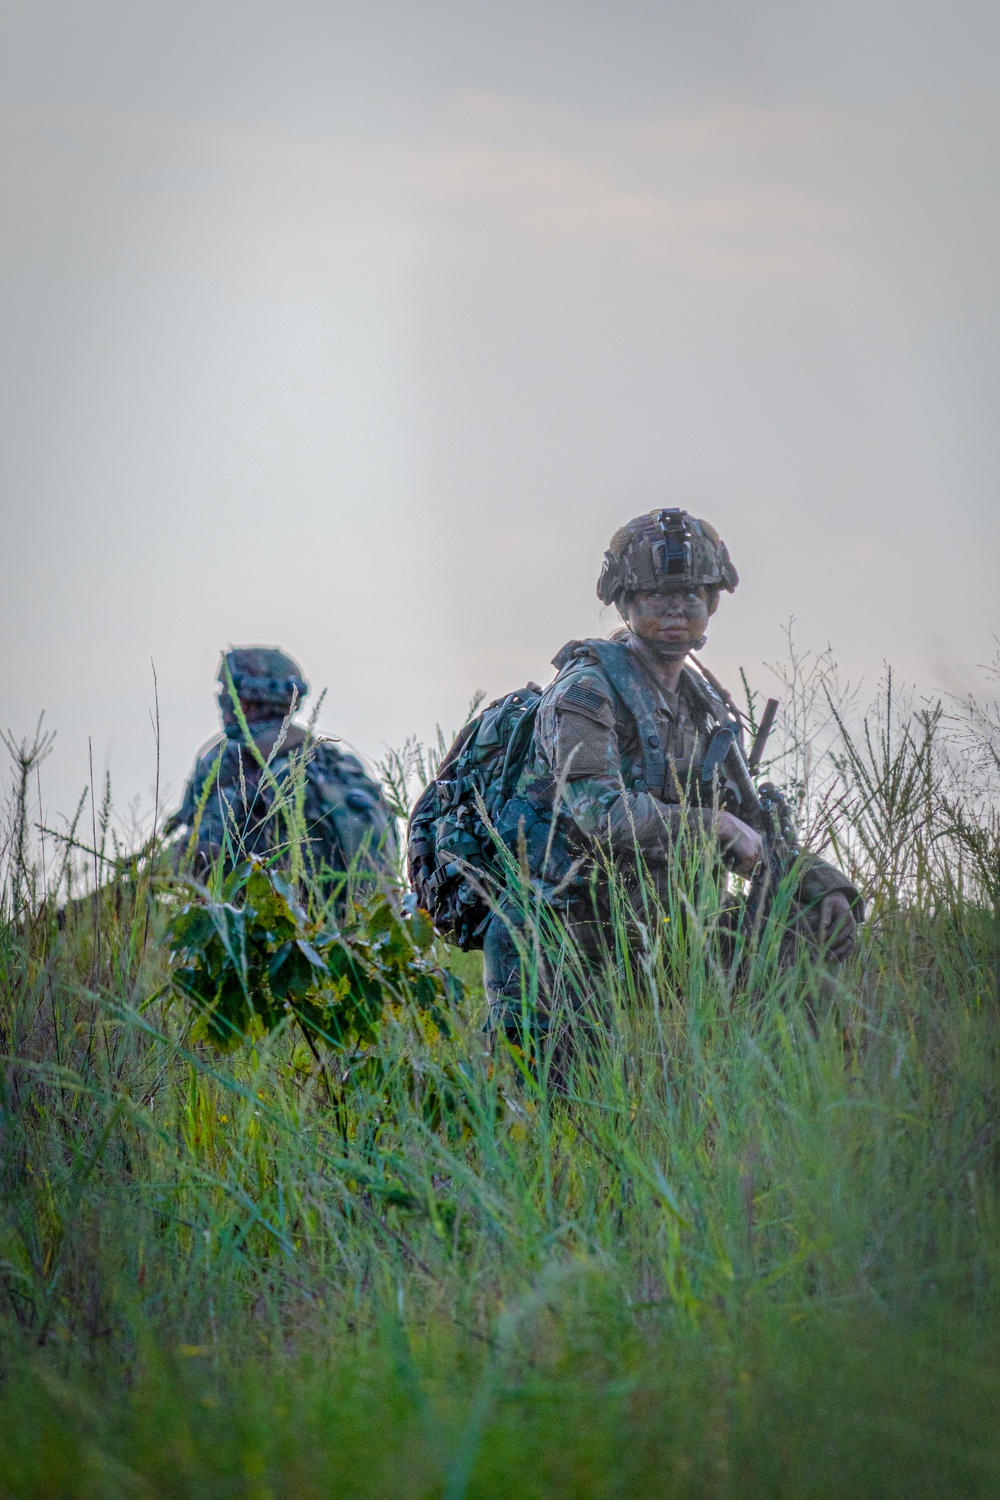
<point x="347" y="821"/>
<point x="583" y="785"/>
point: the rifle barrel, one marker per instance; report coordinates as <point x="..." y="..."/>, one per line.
<point x="762" y="736"/>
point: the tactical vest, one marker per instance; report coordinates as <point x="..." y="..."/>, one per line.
<point x="548" y="836"/>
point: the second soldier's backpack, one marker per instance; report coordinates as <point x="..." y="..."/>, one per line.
<point x="451" y="851"/>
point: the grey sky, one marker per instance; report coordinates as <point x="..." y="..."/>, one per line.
<point x="360" y="327"/>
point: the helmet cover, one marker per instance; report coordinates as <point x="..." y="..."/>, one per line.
<point x="661" y="551"/>
<point x="263" y="675"/>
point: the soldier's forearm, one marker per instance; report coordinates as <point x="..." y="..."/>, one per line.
<point x="623" y="821"/>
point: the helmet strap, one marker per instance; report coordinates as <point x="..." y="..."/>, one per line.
<point x="671" y="651"/>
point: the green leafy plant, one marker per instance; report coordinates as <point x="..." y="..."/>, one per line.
<point x="255" y="959"/>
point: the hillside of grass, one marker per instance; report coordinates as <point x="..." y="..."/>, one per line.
<point x="747" y="1245"/>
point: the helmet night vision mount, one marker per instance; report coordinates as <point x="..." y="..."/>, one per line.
<point x="663" y="550"/>
<point x="672" y="556"/>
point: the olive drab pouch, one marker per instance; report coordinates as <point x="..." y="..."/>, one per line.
<point x="452" y="853"/>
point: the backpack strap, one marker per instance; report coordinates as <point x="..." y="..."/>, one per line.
<point x="720" y="711"/>
<point x="517" y="750"/>
<point x="632" y="687"/>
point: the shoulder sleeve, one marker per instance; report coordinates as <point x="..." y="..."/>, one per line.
<point x="208" y="760"/>
<point x="582" y="696"/>
<point x="576" y="726"/>
<point x="583" y="691"/>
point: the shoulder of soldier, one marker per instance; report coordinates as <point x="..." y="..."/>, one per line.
<point x="208" y="755"/>
<point x="327" y="754"/>
<point x="585" y="652"/>
<point x="581" y="685"/>
<point x="335" y="764"/>
<point x="205" y="761"/>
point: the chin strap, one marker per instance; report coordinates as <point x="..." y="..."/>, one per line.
<point x="671" y="651"/>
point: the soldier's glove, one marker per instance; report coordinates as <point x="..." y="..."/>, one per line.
<point x="834" y="924"/>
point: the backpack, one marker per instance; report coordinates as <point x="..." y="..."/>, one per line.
<point x="451" y="854"/>
<point x="449" y="841"/>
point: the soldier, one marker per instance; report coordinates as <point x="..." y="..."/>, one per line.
<point x="229" y="803"/>
<point x="615" y="762"/>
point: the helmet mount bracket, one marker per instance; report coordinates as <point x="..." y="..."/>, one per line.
<point x="672" y="556"/>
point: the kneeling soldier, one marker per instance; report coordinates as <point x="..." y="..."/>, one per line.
<point x="237" y="800"/>
<point x="624" y="758"/>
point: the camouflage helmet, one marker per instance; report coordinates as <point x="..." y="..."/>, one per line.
<point x="263" y="675"/>
<point x="663" y="550"/>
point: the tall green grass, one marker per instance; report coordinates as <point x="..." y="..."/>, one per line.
<point x="748" y="1247"/>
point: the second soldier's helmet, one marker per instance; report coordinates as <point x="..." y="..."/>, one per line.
<point x="264" y="676"/>
<point x="662" y="550"/>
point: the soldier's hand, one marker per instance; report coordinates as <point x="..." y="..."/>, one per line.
<point x="837" y="927"/>
<point x="741" y="844"/>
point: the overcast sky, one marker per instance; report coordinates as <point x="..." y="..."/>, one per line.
<point x="360" y="327"/>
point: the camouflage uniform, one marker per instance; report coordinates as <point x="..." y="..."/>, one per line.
<point x="583" y="796"/>
<point x="349" y="826"/>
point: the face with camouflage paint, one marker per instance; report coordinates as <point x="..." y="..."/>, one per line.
<point x="675" y="619"/>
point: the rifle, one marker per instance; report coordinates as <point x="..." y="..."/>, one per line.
<point x="763" y="808"/>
